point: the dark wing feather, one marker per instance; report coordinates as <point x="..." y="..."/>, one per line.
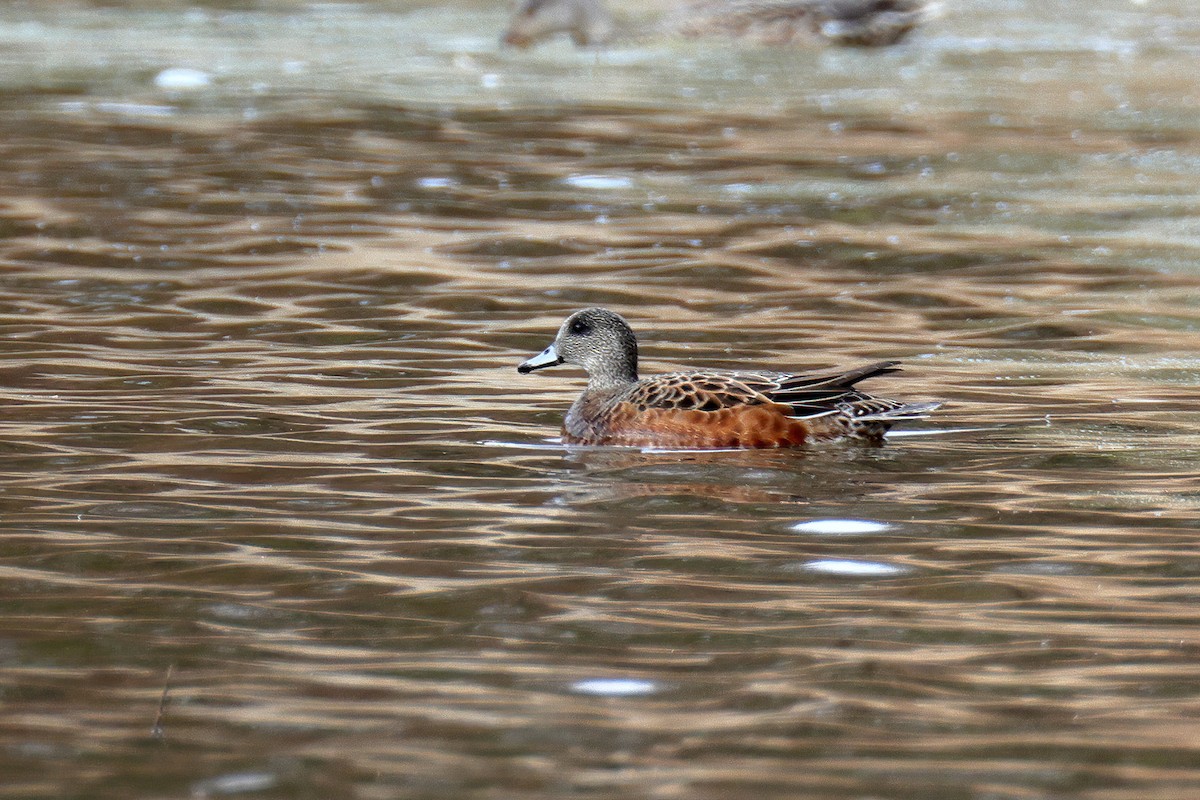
<point x="813" y="395"/>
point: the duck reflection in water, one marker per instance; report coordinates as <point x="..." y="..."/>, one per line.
<point x="722" y="478"/>
<point x="868" y="23"/>
<point x="709" y="409"/>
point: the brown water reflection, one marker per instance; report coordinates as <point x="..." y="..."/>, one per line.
<point x="263" y="425"/>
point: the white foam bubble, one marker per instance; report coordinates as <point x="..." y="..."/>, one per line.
<point x="598" y="181"/>
<point x="850" y="567"/>
<point x="615" y="687"/>
<point x="182" y="78"/>
<point x="840" y="527"/>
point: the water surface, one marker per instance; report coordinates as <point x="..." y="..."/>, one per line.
<point x="265" y="446"/>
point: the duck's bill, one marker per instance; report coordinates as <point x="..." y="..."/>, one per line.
<point x="547" y="358"/>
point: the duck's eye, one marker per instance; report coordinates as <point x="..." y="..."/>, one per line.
<point x="581" y="327"/>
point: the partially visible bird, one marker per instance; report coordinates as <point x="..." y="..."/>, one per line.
<point x="589" y="23"/>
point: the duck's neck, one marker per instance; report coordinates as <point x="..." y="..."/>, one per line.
<point x="616" y="374"/>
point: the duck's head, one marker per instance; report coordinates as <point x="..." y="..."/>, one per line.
<point x="596" y="339"/>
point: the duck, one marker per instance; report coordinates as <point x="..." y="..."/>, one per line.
<point x="865" y="23"/>
<point x="709" y="409"/>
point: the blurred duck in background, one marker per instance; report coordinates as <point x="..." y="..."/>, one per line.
<point x="864" y="23"/>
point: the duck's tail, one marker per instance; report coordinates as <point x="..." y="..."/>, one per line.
<point x="900" y="413"/>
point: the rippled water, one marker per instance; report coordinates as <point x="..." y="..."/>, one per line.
<point x="281" y="520"/>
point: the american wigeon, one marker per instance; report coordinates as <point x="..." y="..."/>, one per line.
<point x="708" y="408"/>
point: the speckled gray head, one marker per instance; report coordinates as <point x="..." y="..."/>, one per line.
<point x="596" y="339"/>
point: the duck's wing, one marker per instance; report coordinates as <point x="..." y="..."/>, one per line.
<point x="817" y="394"/>
<point x="809" y="394"/>
<point x="821" y="406"/>
<point x="833" y="408"/>
<point x="696" y="391"/>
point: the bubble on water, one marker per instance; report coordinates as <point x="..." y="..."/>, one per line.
<point x="615" y="687"/>
<point x="840" y="527"/>
<point x="852" y="568"/>
<point x="598" y="181"/>
<point x="182" y="78"/>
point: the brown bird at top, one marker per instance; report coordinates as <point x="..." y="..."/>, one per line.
<point x="708" y="409"/>
<point x="869" y="23"/>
